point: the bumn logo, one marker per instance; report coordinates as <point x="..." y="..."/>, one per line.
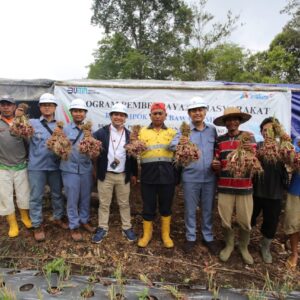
<point x="77" y="90"/>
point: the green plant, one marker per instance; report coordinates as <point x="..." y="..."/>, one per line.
<point x="87" y="292"/>
<point x="274" y="289"/>
<point x="112" y="292"/>
<point x="288" y="285"/>
<point x="215" y="292"/>
<point x="144" y="294"/>
<point x="39" y="294"/>
<point x="120" y="281"/>
<point x="59" y="267"/>
<point x="278" y="289"/>
<point x="212" y="284"/>
<point x="210" y="280"/>
<point x="7" y="294"/>
<point x="175" y="292"/>
<point x="119" y="275"/>
<point x="93" y="278"/>
<point x="268" y="285"/>
<point x="256" y="295"/>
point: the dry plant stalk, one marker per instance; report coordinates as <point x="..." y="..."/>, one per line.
<point x="146" y="280"/>
<point x="135" y="147"/>
<point x="186" y="153"/>
<point x="175" y="292"/>
<point x="241" y="162"/>
<point x="89" y="145"/>
<point x="286" y="149"/>
<point x="21" y="126"/>
<point x="59" y="143"/>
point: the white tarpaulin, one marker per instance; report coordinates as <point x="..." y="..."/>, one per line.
<point x="99" y="100"/>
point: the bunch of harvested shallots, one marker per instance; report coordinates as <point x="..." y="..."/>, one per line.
<point x="186" y="152"/>
<point x="89" y="145"/>
<point x="135" y="146"/>
<point x="59" y="143"/>
<point x="21" y="126"/>
<point x="273" y="150"/>
<point x="269" y="151"/>
<point x="242" y="162"/>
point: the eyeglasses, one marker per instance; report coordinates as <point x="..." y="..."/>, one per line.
<point x="160" y="113"/>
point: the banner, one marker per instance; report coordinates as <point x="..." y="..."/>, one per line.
<point x="295" y="114"/>
<point x="260" y="104"/>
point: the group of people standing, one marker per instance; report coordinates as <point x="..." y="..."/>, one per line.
<point x="116" y="170"/>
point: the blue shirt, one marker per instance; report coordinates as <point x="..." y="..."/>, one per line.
<point x="199" y="171"/>
<point x="40" y="157"/>
<point x="294" y="187"/>
<point x="77" y="163"/>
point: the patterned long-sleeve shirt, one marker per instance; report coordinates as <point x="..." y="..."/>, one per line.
<point x="226" y="183"/>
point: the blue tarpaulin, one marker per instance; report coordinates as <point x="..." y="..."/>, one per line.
<point x="295" y="114"/>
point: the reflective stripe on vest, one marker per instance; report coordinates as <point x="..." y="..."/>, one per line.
<point x="155" y="159"/>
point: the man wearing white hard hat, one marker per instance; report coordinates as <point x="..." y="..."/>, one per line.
<point x="198" y="178"/>
<point x="13" y="170"/>
<point x="43" y="168"/>
<point x="77" y="174"/>
<point x="115" y="170"/>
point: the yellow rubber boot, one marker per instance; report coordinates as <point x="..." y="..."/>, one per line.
<point x="25" y="218"/>
<point x="147" y="234"/>
<point x="13" y="225"/>
<point x="165" y="232"/>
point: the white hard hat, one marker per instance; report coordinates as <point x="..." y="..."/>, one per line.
<point x="119" y="107"/>
<point x="196" y="102"/>
<point x="47" y="98"/>
<point x="78" y="104"/>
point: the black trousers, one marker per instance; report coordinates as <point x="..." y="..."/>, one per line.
<point x="270" y="209"/>
<point x="153" y="193"/>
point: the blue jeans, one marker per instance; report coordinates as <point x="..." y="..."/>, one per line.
<point x="203" y="195"/>
<point x="37" y="182"/>
<point x="78" y="188"/>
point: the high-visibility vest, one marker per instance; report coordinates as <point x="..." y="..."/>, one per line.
<point x="157" y="142"/>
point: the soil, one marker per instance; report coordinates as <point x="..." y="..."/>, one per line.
<point x="156" y="262"/>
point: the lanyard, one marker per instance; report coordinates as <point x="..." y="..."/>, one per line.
<point x="78" y="136"/>
<point x="112" y="143"/>
<point x="45" y="124"/>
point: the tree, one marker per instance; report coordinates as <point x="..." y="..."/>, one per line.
<point x="228" y="62"/>
<point x="155" y="33"/>
<point x="196" y="59"/>
<point x="273" y="66"/>
<point x="206" y="32"/>
<point x="281" y="62"/>
<point x="163" y="39"/>
<point x="193" y="65"/>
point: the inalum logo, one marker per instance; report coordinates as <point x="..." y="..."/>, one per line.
<point x="256" y="96"/>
